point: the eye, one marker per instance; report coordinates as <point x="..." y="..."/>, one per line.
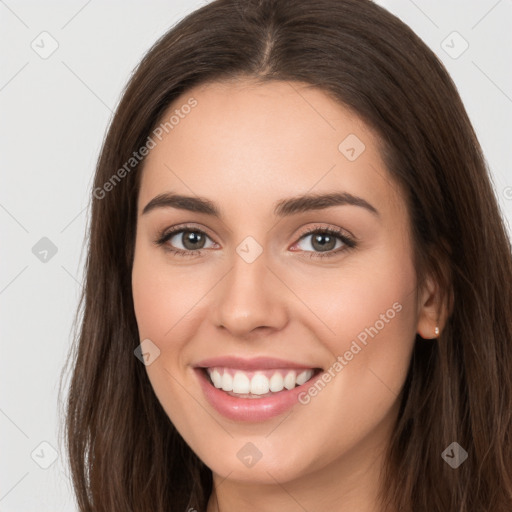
<point x="191" y="239"/>
<point x="325" y="241"/>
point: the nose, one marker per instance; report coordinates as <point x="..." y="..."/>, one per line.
<point x="251" y="298"/>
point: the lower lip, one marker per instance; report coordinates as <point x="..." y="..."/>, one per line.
<point x="250" y="409"/>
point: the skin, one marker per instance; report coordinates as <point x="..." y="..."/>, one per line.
<point x="244" y="147"/>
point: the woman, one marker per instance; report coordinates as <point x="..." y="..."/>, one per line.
<point x="298" y="281"/>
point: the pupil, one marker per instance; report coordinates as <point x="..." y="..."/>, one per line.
<point x="324" y="246"/>
<point x="192" y="238"/>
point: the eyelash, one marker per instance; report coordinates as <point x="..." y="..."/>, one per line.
<point x="347" y="241"/>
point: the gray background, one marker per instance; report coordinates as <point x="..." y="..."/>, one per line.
<point x="54" y="112"/>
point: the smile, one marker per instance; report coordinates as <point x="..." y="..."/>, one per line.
<point x="256" y="384"/>
<point x="253" y="390"/>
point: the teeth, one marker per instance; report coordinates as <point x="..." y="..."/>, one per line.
<point x="216" y="378"/>
<point x="257" y="383"/>
<point x="303" y="377"/>
<point x="241" y="383"/>
<point x="289" y="380"/>
<point x="227" y="382"/>
<point x="276" y="382"/>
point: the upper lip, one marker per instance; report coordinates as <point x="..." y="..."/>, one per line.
<point x="255" y="363"/>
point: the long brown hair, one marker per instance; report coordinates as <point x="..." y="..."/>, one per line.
<point x="124" y="452"/>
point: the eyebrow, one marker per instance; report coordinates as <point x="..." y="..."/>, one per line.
<point x="282" y="208"/>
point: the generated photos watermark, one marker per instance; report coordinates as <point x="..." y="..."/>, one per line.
<point x="143" y="151"/>
<point x="355" y="348"/>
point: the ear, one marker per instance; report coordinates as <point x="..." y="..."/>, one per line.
<point x="433" y="309"/>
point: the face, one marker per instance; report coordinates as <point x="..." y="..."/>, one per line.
<point x="303" y="311"/>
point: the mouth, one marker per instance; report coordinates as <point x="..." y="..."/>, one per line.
<point x="251" y="391"/>
<point x="259" y="383"/>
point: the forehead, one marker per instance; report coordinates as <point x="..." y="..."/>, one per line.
<point x="262" y="142"/>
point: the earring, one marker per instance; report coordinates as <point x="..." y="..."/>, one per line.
<point x="436" y="331"/>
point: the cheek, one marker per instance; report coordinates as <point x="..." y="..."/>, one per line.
<point x="166" y="297"/>
<point x="357" y="299"/>
<point x="365" y="314"/>
<point x="167" y="305"/>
